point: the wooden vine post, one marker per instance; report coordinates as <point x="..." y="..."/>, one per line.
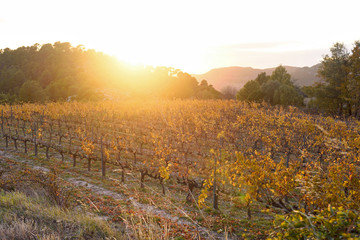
<point x="215" y="197"/>
<point x="2" y="122"/>
<point x="74" y="159"/>
<point x="35" y="143"/>
<point x="103" y="167"/>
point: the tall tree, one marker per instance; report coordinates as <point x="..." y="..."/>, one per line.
<point x="334" y="71"/>
<point x="354" y="78"/>
<point x="250" y="92"/>
<point x="31" y="91"/>
<point x="262" y="78"/>
<point x="11" y="78"/>
<point x="281" y="75"/>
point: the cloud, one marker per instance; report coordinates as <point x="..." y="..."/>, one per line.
<point x="265" y="59"/>
<point x="257" y="45"/>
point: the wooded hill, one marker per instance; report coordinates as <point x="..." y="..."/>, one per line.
<point x="59" y="71"/>
<point x="238" y="76"/>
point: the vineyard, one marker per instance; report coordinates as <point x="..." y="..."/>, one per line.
<point x="280" y="161"/>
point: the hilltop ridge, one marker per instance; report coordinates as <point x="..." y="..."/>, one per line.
<point x="238" y="76"/>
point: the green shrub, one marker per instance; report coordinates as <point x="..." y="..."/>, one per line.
<point x="330" y="223"/>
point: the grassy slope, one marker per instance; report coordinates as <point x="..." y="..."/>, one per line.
<point x="28" y="210"/>
<point x="24" y="217"/>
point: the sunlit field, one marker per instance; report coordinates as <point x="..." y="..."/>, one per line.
<point x="180" y="120"/>
<point x="212" y="168"/>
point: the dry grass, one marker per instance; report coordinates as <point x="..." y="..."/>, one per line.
<point x="28" y="211"/>
<point x="25" y="217"/>
<point x="143" y="226"/>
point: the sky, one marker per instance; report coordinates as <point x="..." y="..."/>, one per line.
<point x="192" y="35"/>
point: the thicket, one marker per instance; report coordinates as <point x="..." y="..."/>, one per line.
<point x="277" y="89"/>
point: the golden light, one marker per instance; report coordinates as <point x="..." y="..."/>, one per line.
<point x="183" y="34"/>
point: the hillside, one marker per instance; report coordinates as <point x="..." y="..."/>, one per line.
<point x="238" y="76"/>
<point x="59" y="71"/>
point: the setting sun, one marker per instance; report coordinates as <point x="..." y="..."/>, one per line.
<point x="194" y="36"/>
<point x="156" y="54"/>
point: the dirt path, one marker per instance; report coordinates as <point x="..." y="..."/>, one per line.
<point x="204" y="232"/>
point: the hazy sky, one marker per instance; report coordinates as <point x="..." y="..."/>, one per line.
<point x="192" y="35"/>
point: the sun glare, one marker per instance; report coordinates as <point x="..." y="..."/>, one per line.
<point x="185" y="34"/>
<point x="189" y="58"/>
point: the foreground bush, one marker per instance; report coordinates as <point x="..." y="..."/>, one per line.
<point x="330" y="223"/>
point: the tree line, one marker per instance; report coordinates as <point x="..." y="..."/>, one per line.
<point x="59" y="71"/>
<point x="337" y="93"/>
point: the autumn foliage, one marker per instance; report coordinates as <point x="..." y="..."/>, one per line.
<point x="283" y="158"/>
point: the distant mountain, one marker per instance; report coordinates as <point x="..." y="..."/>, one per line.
<point x="238" y="76"/>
